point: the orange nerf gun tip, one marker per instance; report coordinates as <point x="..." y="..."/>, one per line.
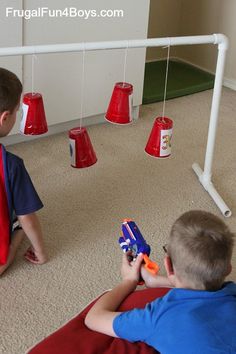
<point x="152" y="267"/>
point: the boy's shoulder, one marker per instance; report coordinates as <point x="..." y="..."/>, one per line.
<point x="228" y="288"/>
<point x="13" y="161"/>
<point x="15" y="166"/>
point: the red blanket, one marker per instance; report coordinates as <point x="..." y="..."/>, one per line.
<point x="76" y="338"/>
<point x="4" y="209"/>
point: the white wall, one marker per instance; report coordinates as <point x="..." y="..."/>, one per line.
<point x="201" y="17"/>
<point x="164" y="21"/>
<point x="227" y="25"/>
<point x="10" y="36"/>
<point x="190" y="17"/>
<point x="211" y="16"/>
<point x="58" y="76"/>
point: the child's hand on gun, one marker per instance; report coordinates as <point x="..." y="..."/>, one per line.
<point x="133" y="244"/>
<point x="130" y="270"/>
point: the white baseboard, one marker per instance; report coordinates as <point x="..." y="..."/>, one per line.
<point x="226" y="82"/>
<point x="230" y="83"/>
<point x="195" y="65"/>
<point x="61" y="127"/>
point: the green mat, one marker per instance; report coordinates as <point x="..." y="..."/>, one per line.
<point x="183" y="79"/>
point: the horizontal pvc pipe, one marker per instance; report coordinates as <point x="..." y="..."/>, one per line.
<point x="133" y="43"/>
<point x="209" y="187"/>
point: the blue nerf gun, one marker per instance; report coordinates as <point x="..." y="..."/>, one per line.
<point x="132" y="240"/>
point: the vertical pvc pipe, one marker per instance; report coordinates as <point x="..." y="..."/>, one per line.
<point x="219" y="75"/>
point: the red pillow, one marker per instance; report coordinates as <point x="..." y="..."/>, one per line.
<point x="76" y="338"/>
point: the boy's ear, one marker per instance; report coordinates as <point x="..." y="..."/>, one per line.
<point x="3" y="116"/>
<point x="168" y="266"/>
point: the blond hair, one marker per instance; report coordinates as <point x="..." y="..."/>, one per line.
<point x="201" y="248"/>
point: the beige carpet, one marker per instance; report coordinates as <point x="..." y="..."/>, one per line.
<point x="84" y="209"/>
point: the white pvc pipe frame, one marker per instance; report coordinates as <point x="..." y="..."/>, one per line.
<point x="219" y="39"/>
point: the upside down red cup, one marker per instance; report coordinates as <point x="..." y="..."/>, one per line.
<point x="120" y="107"/>
<point x="33" y="120"/>
<point x="159" y="142"/>
<point x="81" y="150"/>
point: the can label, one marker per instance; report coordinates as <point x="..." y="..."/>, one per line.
<point x="131" y="107"/>
<point x="72" y="152"/>
<point x="165" y="148"/>
<point x="25" y="109"/>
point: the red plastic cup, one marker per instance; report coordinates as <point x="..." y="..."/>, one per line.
<point x="120" y="106"/>
<point x="159" y="142"/>
<point x="81" y="149"/>
<point x="33" y="120"/>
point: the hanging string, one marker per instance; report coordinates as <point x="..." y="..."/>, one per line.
<point x="166" y="79"/>
<point x="125" y="63"/>
<point x="82" y="88"/>
<point x="33" y="57"/>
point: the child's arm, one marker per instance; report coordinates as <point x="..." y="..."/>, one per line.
<point x="101" y="316"/>
<point x="155" y="281"/>
<point x="32" y="228"/>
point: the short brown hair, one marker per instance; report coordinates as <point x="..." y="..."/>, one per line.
<point x="200" y="248"/>
<point x="10" y="90"/>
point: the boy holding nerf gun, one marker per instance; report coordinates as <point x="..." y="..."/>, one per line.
<point x="189" y="318"/>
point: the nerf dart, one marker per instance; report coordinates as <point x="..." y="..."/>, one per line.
<point x="132" y="240"/>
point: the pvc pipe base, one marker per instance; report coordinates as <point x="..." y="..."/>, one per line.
<point x="209" y="187"/>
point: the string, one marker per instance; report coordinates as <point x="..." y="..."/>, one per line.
<point x="32" y="72"/>
<point x="166" y="79"/>
<point x="82" y="89"/>
<point x="125" y="63"/>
